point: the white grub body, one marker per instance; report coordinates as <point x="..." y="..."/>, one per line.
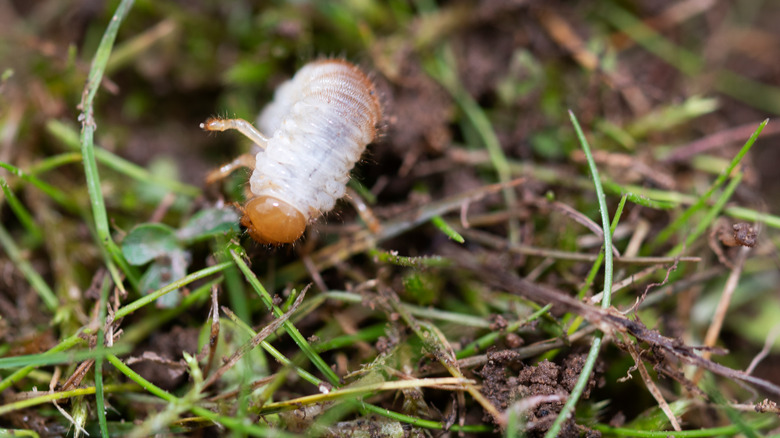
<point x="319" y="125"/>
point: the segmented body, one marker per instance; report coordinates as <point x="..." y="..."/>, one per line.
<point x="320" y="123"/>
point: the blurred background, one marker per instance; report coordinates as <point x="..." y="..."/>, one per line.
<point x="667" y="92"/>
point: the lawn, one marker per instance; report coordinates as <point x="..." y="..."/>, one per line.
<point x="460" y="288"/>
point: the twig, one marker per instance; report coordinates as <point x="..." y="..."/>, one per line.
<point x="500" y="243"/>
<point x="583" y="220"/>
<point x="723" y="306"/>
<point x="502" y="279"/>
<point x="718" y="140"/>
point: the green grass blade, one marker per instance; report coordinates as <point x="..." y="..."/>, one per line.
<point x="590" y="361"/>
<point x="699" y="433"/>
<point x="445" y="228"/>
<point x="99" y="348"/>
<point x="50" y="163"/>
<point x="99" y="213"/>
<point x="289" y="327"/>
<point x="25" y="218"/>
<point x="597" y="264"/>
<point x="709" y="218"/>
<point x="64" y="200"/>
<point x="605" y="222"/>
<point x="54" y="193"/>
<point x="489" y="339"/>
<point x="50" y="397"/>
<point x="409" y="262"/>
<point x="700" y="203"/>
<point x="635" y="198"/>
<point x="68" y="136"/>
<point x="747" y="214"/>
<point x="276" y="354"/>
<point x="428" y="424"/>
<point x="37" y="282"/>
<point x="231" y="423"/>
<point x="18" y="433"/>
<point x="51" y="358"/>
<point x="18" y="375"/>
<point x="150" y="298"/>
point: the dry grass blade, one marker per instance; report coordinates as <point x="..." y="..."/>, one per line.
<point x="255" y="341"/>
<point x="498" y="243"/>
<point x="640" y="365"/>
<point x="718" y="140"/>
<point x="449" y="383"/>
<point x="364" y="240"/>
<point x="119" y="246"/>
<point x="713" y="332"/>
<point x="211" y="347"/>
<point x="606" y="321"/>
<point x="437" y="345"/>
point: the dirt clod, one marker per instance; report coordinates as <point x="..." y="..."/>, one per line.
<point x="543" y="388"/>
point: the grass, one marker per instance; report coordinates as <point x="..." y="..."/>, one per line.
<point x="131" y="297"/>
<point x="595" y="346"/>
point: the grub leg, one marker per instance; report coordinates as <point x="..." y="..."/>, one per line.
<point x="240" y="125"/>
<point x="243" y="160"/>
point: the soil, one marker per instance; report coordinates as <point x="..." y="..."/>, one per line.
<point x="453" y="81"/>
<point x="507" y="379"/>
